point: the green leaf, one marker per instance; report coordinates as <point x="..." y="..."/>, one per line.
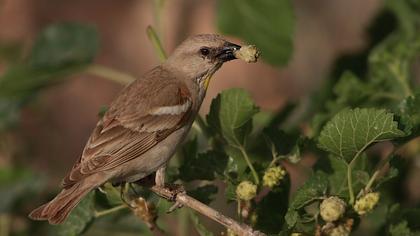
<point x="407" y="13"/>
<point x="230" y="191"/>
<point x="350" y="91"/>
<point x="314" y="188"/>
<point x="282" y="142"/>
<point x="64" y="44"/>
<point x="401" y="229"/>
<point x="231" y="114"/>
<point x="410" y="114"/>
<point x="291" y="218"/>
<point x="113" y="194"/>
<point x="78" y="219"/>
<point x="204" y="194"/>
<point x="350" y="132"/>
<point x="59" y="50"/>
<point x="203" y="166"/>
<point x="236" y="162"/>
<point x="390" y="63"/>
<point x="268" y="24"/>
<point x="19" y="82"/>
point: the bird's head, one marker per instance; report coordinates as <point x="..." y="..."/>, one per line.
<point x="199" y="56"/>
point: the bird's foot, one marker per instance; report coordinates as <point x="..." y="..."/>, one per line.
<point x="123" y="192"/>
<point x="175" y="190"/>
<point x="170" y="192"/>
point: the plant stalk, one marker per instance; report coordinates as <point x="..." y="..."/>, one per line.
<point x="109" y="211"/>
<point x="109" y="74"/>
<point x="248" y="162"/>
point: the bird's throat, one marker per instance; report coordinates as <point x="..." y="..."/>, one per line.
<point x="207" y="81"/>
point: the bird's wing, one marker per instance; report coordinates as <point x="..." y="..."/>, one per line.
<point x="133" y="125"/>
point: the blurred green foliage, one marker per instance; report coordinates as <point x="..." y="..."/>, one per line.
<point x="268" y="24"/>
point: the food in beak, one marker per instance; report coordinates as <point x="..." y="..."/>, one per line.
<point x="248" y="53"/>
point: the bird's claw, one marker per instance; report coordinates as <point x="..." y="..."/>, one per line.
<point x="170" y="192"/>
<point x="174" y="190"/>
<point x="175" y="206"/>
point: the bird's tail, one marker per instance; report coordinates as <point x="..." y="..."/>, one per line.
<point x="58" y="209"/>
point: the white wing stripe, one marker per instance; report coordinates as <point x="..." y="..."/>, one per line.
<point x="171" y="110"/>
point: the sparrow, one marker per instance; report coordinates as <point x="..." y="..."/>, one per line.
<point x="144" y="124"/>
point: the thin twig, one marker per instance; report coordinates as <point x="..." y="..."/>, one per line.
<point x="379" y="168"/>
<point x="184" y="199"/>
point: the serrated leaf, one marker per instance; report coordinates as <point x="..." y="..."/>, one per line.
<point x="351" y="131"/>
<point x="268" y="24"/>
<point x="203" y="166"/>
<point x="230" y="115"/>
<point x="78" y="219"/>
<point x="314" y="188"/>
<point x="204" y="194"/>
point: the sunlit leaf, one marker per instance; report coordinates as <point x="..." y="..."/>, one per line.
<point x="350" y="132"/>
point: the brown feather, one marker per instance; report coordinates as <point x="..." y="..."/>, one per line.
<point x="144" y="114"/>
<point x="124" y="134"/>
<point x="58" y="209"/>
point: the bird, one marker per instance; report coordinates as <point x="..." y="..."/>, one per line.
<point x="144" y="124"/>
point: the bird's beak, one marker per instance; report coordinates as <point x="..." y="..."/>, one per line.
<point x="227" y="52"/>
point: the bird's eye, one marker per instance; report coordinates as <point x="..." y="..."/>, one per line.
<point x="204" y="51"/>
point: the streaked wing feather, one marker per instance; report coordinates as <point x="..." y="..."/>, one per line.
<point x="121" y="137"/>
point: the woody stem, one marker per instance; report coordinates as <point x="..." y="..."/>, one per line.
<point x="184" y="199"/>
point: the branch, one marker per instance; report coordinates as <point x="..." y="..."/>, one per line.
<point x="184" y="199"/>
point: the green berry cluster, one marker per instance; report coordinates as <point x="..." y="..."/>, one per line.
<point x="246" y="190"/>
<point x="366" y="203"/>
<point x="273" y="176"/>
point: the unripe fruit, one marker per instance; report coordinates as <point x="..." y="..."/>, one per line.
<point x="332" y="208"/>
<point x="273" y="176"/>
<point x="366" y="203"/>
<point x="246" y="190"/>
